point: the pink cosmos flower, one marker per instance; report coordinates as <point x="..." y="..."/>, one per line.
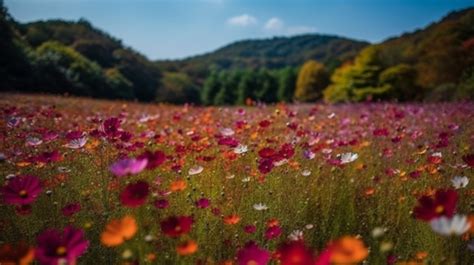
<point x="55" y="247"/>
<point x="128" y="166"/>
<point x="21" y="190"/>
<point x="251" y="253"/>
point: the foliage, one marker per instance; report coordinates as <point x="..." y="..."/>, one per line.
<point x="312" y="79"/>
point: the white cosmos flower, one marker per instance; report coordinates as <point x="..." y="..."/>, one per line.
<point x="247" y="179"/>
<point x="457" y="225"/>
<point x="280" y="162"/>
<point x="306" y="172"/>
<point x="296" y="235"/>
<point x="260" y="207"/>
<point x="77" y="143"/>
<point x="460" y="182"/>
<point x="309" y="226"/>
<point x="348" y="157"/>
<point x="227" y="132"/>
<point x="33" y="141"/>
<point x="438" y="154"/>
<point x="195" y="170"/>
<point x="240" y="149"/>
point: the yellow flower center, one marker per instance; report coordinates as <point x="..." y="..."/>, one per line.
<point x="61" y="250"/>
<point x="23" y="193"/>
<point x="439" y="209"/>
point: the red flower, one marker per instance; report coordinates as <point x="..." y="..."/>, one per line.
<point x="155" y="159"/>
<point x="176" y="226"/>
<point x="265" y="165"/>
<point x="295" y="253"/>
<point x="442" y="204"/>
<point x="135" y="194"/>
<point x="252" y="254"/>
<point x="469" y="159"/>
<point x="267" y="152"/>
<point x="272" y="232"/>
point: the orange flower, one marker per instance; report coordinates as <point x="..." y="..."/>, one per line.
<point x="178" y="185"/>
<point x="232" y="219"/>
<point x="119" y="230"/>
<point x="273" y="222"/>
<point x="19" y="254"/>
<point x="470" y="219"/>
<point x="347" y="250"/>
<point x="187" y="248"/>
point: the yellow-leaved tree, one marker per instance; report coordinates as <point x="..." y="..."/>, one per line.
<point x="311" y="81"/>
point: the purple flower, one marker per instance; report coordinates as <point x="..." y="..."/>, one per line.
<point x="128" y="166"/>
<point x="203" y="203"/>
<point x="22" y="189"/>
<point x="71" y="209"/>
<point x="56" y="248"/>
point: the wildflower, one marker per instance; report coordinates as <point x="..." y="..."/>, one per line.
<point x="195" y="170"/>
<point x="442" y="204"/>
<point x="135" y="194"/>
<point x="202" y="203"/>
<point x="118" y="231"/>
<point x="348" y="250"/>
<point x="128" y="166"/>
<point x="155" y="159"/>
<point x="460" y="182"/>
<point x="265" y="165"/>
<point x="272" y="232"/>
<point x="260" y="207"/>
<point x="20" y="254"/>
<point x="252" y="254"/>
<point x="176" y="226"/>
<point x="347" y="157"/>
<point x="232" y="219"/>
<point x="240" y="149"/>
<point x="21" y="190"/>
<point x="161" y="203"/>
<point x="378" y="232"/>
<point x="296" y="235"/>
<point x="447" y="226"/>
<point x="178" y="185"/>
<point x="469" y="159"/>
<point x="55" y="247"/>
<point x="308" y="154"/>
<point x="227" y="132"/>
<point x="77" y="143"/>
<point x="228" y="141"/>
<point x="71" y="208"/>
<point x="306" y="172"/>
<point x="33" y="141"/>
<point x="186" y="248"/>
<point x="250" y="229"/>
<point x="295" y="253"/>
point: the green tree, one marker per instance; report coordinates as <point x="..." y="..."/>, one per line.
<point x="177" y="88"/>
<point x="211" y="87"/>
<point x="229" y="81"/>
<point x="400" y="82"/>
<point x="286" y="84"/>
<point x="311" y="81"/>
<point x="266" y="86"/>
<point x="247" y="85"/>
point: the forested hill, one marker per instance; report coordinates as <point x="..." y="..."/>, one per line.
<point x="271" y="53"/>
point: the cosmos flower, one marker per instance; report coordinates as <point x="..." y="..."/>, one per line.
<point x="135" y="194"/>
<point x="296" y="235"/>
<point x="240" y="149"/>
<point x="55" y="247"/>
<point x="128" y="166"/>
<point x="260" y="207"/>
<point x="77" y="143"/>
<point x="118" y="231"/>
<point x="71" y="208"/>
<point x="272" y="232"/>
<point x="155" y="159"/>
<point x="460" y="182"/>
<point x="203" y="203"/>
<point x="176" y="226"/>
<point x="231" y="219"/>
<point x="33" y="141"/>
<point x="348" y="250"/>
<point x="442" y="204"/>
<point x="469" y="159"/>
<point x="17" y="254"/>
<point x="178" y="185"/>
<point x="295" y="253"/>
<point x="161" y="203"/>
<point x="195" y="170"/>
<point x="21" y="190"/>
<point x="252" y="254"/>
<point x="348" y="157"/>
<point x="187" y="247"/>
<point x="447" y="226"/>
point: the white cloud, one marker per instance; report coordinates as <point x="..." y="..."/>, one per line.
<point x="274" y="24"/>
<point x="243" y="20"/>
<point x="300" y="30"/>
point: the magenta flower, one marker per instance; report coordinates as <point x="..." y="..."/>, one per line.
<point x="155" y="159"/>
<point x="135" y="194"/>
<point x="272" y="232"/>
<point x="22" y="189"/>
<point x="161" y="203"/>
<point x="71" y="208"/>
<point x="252" y="254"/>
<point x="56" y="248"/>
<point x="128" y="166"/>
<point x="203" y="203"/>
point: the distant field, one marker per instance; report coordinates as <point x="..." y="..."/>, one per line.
<point x="103" y="182"/>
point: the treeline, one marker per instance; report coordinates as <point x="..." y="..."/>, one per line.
<point x="72" y="58"/>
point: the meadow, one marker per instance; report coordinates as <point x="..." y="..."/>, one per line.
<point x="111" y="182"/>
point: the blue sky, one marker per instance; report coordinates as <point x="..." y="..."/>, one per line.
<point x="164" y="29"/>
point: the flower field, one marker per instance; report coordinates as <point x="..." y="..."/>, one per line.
<point x="103" y="182"/>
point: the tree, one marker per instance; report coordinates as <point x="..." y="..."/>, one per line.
<point x="311" y="81"/>
<point x="211" y="87"/>
<point x="286" y="84"/>
<point x="247" y="85"/>
<point x="177" y="88"/>
<point x="400" y="82"/>
<point x="229" y="81"/>
<point x="266" y="86"/>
